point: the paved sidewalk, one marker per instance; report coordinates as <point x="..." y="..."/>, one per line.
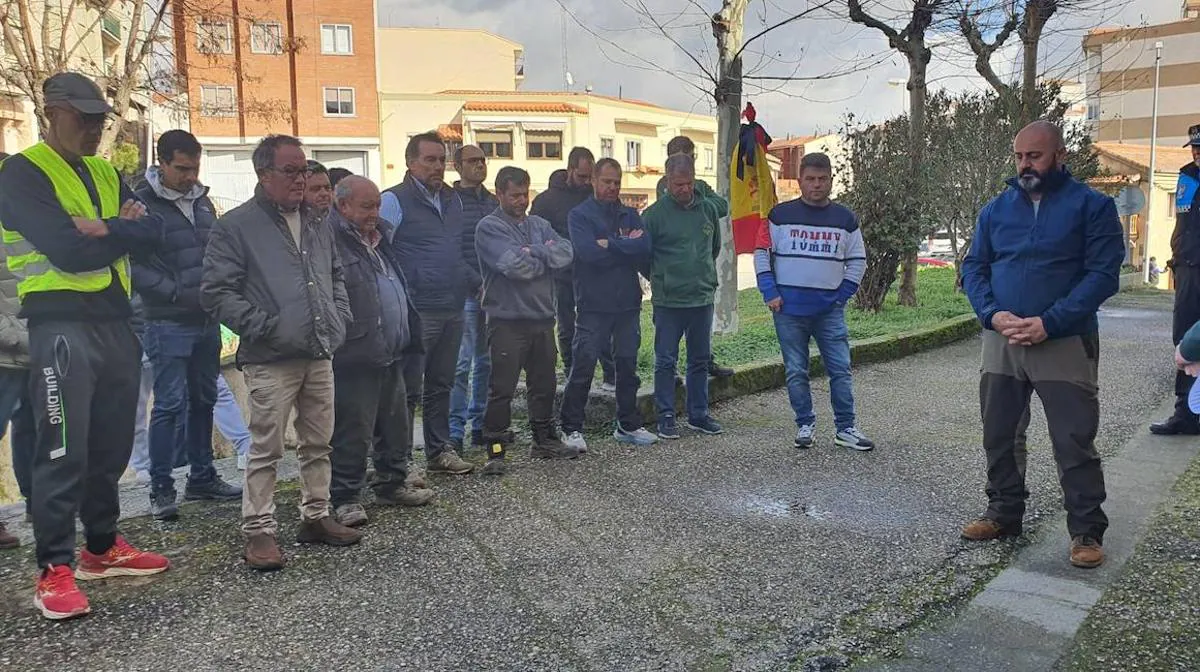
<point x="722" y="553"/>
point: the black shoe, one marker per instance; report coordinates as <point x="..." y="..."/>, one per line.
<point x="495" y="467"/>
<point x="717" y="371"/>
<point x="477" y="440"/>
<point x="163" y="506"/>
<point x="214" y="490"/>
<point x="1175" y="426"/>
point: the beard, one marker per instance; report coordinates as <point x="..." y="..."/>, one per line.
<point x="1031" y="180"/>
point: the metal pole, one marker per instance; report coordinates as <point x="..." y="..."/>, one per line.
<point x="1158" y="47"/>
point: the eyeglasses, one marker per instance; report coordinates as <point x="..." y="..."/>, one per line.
<point x="292" y="172"/>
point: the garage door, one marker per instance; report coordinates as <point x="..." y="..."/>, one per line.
<point x="229" y="175"/>
<point x="355" y="162"/>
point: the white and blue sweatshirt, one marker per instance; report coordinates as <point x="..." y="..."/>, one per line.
<point x="811" y="257"/>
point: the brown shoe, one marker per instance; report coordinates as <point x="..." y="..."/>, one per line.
<point x="984" y="529"/>
<point x="448" y="462"/>
<point x="404" y="496"/>
<point x="416" y="478"/>
<point x="327" y="531"/>
<point x="262" y="552"/>
<point x="1086" y="552"/>
<point x="7" y="540"/>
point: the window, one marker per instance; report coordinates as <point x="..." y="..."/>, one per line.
<point x="339" y="101"/>
<point x="214" y="37"/>
<point x="633" y="154"/>
<point x="543" y="145"/>
<point x="266" y="38"/>
<point x="495" y="144"/>
<point x="217" y="101"/>
<point x="452" y="147"/>
<point x="708" y="158"/>
<point x="336" y="39"/>
<point x="1093" y="111"/>
<point x="606" y="148"/>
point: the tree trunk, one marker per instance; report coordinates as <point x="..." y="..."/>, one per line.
<point x="1037" y="12"/>
<point x="877" y="280"/>
<point x="728" y="29"/>
<point x="918" y="62"/>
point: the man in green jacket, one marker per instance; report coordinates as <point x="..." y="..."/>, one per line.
<point x="681" y="144"/>
<point x="684" y="243"/>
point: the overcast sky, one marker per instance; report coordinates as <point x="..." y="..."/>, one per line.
<point x="616" y="51"/>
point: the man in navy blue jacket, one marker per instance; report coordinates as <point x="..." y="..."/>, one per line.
<point x="610" y="245"/>
<point x="1046" y="253"/>
<point x="182" y="342"/>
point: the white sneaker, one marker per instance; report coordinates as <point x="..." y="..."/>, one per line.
<point x="852" y="438"/>
<point x="638" y="437"/>
<point x="804" y="437"/>
<point x="242" y="462"/>
<point x="575" y="440"/>
<point x="142" y="477"/>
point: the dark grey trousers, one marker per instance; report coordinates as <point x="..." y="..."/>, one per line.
<point x="368" y="402"/>
<point x="84" y="380"/>
<point x="430" y="377"/>
<point x="1063" y="372"/>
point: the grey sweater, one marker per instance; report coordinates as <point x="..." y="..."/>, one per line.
<point x="518" y="259"/>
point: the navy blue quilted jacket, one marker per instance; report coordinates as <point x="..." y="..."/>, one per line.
<point x="169" y="280"/>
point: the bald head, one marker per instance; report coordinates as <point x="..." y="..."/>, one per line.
<point x="357" y="198"/>
<point x="1040" y="153"/>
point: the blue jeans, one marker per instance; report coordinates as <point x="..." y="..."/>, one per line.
<point x="833" y="340"/>
<point x="228" y="417"/>
<point x="472" y="351"/>
<point x="139" y="459"/>
<point x="670" y="325"/>
<point x="15" y="408"/>
<point x="186" y="361"/>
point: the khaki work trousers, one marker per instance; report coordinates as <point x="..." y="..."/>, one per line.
<point x="275" y="389"/>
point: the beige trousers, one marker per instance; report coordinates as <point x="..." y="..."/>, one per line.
<point x="275" y="389"/>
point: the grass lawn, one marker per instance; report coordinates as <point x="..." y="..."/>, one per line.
<point x="756" y="339"/>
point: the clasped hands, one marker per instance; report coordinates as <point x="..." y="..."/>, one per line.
<point x="1190" y="368"/>
<point x="1019" y="330"/>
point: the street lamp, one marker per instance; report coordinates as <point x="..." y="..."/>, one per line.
<point x="1158" y="47"/>
<point x="902" y="84"/>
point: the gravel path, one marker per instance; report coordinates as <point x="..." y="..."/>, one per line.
<point x="734" y="552"/>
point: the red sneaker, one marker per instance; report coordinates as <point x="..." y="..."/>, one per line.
<point x="57" y="596"/>
<point x="120" y="560"/>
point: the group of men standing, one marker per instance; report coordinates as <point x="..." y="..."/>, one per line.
<point x="351" y="306"/>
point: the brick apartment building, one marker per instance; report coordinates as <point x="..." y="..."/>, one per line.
<point x="301" y="67"/>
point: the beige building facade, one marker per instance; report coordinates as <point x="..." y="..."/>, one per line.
<point x="1119" y="80"/>
<point x="534" y="130"/>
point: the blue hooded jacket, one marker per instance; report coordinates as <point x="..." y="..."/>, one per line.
<point x="1059" y="263"/>
<point x="606" y="278"/>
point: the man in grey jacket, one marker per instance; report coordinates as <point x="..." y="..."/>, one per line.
<point x="272" y="275"/>
<point x="518" y="256"/>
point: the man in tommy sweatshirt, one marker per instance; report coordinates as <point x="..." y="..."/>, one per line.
<point x="809" y="259"/>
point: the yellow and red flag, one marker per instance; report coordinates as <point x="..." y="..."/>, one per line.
<point x="751" y="189"/>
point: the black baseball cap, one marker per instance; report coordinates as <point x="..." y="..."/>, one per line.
<point x="77" y="91"/>
<point x="1193" y="136"/>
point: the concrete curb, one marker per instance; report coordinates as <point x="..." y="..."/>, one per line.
<point x="769" y="374"/>
<point x="1131" y="281"/>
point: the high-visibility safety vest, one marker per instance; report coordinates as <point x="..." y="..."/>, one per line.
<point x="33" y="270"/>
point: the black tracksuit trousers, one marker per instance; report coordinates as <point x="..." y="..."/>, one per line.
<point x="84" y="379"/>
<point x="1187" y="313"/>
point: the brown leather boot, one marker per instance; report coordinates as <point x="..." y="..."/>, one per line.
<point x="327" y="531"/>
<point x="984" y="529"/>
<point x="1086" y="552"/>
<point x="262" y="552"/>
<point x="7" y="540"/>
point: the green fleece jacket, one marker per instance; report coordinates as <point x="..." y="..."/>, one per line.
<point x="705" y="192"/>
<point x="684" y="243"/>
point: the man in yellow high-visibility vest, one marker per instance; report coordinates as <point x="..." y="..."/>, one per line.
<point x="69" y="225"/>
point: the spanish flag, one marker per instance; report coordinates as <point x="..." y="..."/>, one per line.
<point x="751" y="189"/>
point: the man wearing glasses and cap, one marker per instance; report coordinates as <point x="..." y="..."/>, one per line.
<point x="69" y="226"/>
<point x="1185" y="265"/>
